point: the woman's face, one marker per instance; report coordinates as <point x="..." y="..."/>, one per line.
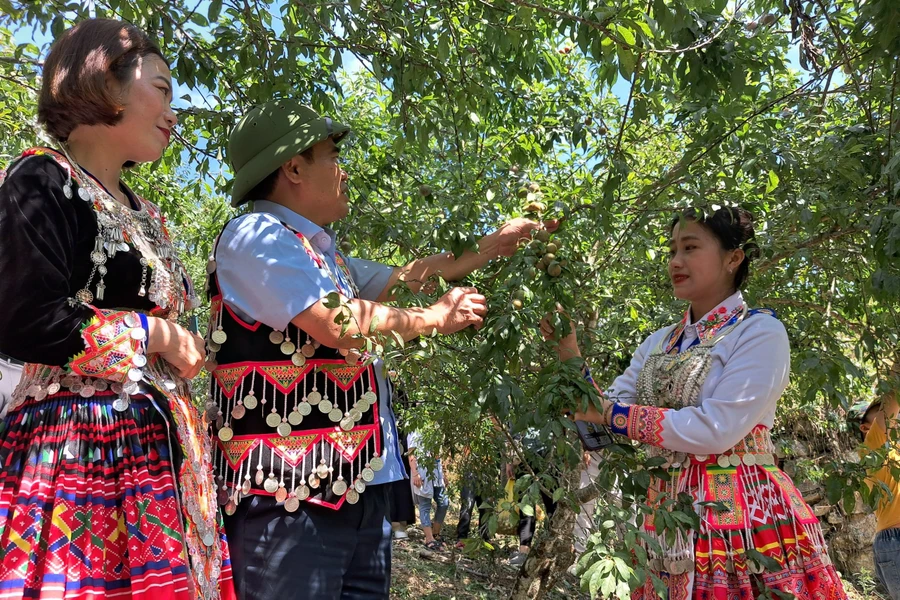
<point x="147" y="119"/>
<point x="699" y="268"/>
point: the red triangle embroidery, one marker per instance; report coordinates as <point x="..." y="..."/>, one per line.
<point x="342" y="374"/>
<point x="283" y="377"/>
<point x="228" y="378"/>
<point x="292" y="449"/>
<point x="349" y="443"/>
<point x="236" y="451"/>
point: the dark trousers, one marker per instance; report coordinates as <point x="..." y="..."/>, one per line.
<point x="468" y="500"/>
<point x="528" y="525"/>
<point x="314" y="553"/>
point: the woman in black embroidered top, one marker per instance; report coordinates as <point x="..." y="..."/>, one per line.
<point x="96" y="496"/>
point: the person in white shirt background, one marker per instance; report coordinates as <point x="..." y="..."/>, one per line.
<point x="427" y="485"/>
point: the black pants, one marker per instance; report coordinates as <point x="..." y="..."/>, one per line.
<point x="314" y="553"/>
<point x="528" y="525"/>
<point x="468" y="500"/>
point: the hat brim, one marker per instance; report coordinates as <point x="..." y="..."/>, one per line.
<point x="292" y="143"/>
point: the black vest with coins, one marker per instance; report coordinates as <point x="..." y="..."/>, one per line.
<point x="294" y="419"/>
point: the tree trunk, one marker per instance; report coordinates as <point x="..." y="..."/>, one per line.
<point x="551" y="553"/>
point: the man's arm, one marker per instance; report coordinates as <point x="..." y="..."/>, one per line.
<point x="503" y="242"/>
<point x="456" y="310"/>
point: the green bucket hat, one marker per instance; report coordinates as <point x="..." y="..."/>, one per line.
<point x="269" y="135"/>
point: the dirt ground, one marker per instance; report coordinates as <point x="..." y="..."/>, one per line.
<point x="418" y="574"/>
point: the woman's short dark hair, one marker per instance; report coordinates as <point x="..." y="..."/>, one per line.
<point x="75" y="89"/>
<point x="733" y="227"/>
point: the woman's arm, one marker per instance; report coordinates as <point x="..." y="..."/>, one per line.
<point x="753" y="379"/>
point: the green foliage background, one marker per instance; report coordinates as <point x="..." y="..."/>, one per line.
<point x="621" y="111"/>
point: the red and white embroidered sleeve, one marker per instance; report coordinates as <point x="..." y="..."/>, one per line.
<point x="114" y="346"/>
<point x="641" y="423"/>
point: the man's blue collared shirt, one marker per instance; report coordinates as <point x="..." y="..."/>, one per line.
<point x="266" y="275"/>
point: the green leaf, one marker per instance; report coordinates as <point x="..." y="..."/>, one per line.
<point x="332" y="300"/>
<point x="215" y="8"/>
<point x="627" y="61"/>
<point x="773" y="182"/>
<point x="626" y="34"/>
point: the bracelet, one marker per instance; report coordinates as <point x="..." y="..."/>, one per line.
<point x="607" y="414"/>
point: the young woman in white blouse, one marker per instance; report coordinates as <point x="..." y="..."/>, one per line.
<point x="702" y="393"/>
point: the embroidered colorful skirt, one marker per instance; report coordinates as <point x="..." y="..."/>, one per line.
<point x="89" y="505"/>
<point x="766" y="538"/>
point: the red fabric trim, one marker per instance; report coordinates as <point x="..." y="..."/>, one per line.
<point x="240" y="321"/>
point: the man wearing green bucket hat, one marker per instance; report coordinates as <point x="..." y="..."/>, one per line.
<point x="307" y="439"/>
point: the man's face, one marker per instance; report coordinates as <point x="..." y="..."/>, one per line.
<point x="324" y="183"/>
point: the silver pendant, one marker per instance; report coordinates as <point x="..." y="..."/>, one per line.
<point x="292" y="504"/>
<point x="121" y="403"/>
<point x="302" y="492"/>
